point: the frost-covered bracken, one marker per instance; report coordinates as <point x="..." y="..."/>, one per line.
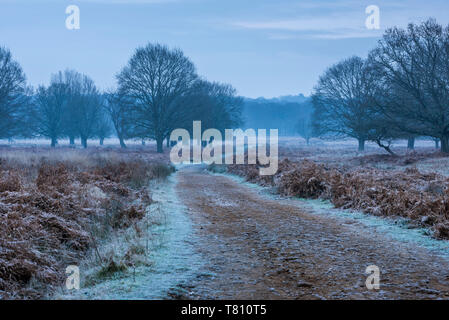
<point x="53" y="210"/>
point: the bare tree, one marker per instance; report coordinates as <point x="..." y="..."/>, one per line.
<point x="103" y="129"/>
<point x="344" y="105"/>
<point x="83" y="106"/>
<point x="49" y="112"/>
<point x="305" y="128"/>
<point x="73" y="80"/>
<point x="88" y="114"/>
<point x="13" y="95"/>
<point x="216" y="105"/>
<point x="415" y="67"/>
<point x="226" y="108"/>
<point x="118" y="107"/>
<point x="156" y="78"/>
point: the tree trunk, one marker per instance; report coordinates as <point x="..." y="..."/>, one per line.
<point x="72" y="141"/>
<point x="84" y="142"/>
<point x="101" y="141"/>
<point x="361" y="145"/>
<point x="160" y="145"/>
<point x="54" y="142"/>
<point x="411" y="143"/>
<point x="445" y="144"/>
<point x="122" y="143"/>
<point x="386" y="147"/>
<point x="437" y="144"/>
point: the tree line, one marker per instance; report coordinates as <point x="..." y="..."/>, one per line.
<point x="401" y="90"/>
<point x="157" y="91"/>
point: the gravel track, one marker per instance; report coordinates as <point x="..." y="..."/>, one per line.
<point x="261" y="248"/>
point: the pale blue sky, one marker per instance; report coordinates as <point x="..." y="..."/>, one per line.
<point x="262" y="47"/>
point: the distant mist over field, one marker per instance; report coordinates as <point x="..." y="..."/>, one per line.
<point x="281" y="113"/>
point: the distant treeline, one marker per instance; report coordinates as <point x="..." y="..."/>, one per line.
<point x="288" y="114"/>
<point x="157" y="91"/>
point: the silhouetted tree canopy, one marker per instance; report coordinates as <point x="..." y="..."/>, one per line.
<point x="156" y="78"/>
<point x="414" y="64"/>
<point x="14" y="97"/>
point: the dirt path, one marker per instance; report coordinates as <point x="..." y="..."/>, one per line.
<point x="257" y="248"/>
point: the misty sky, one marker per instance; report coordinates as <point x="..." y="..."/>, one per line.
<point x="262" y="47"/>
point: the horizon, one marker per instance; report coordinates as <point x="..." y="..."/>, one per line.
<point x="265" y="49"/>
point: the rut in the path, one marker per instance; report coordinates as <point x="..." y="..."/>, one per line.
<point x="258" y="248"/>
